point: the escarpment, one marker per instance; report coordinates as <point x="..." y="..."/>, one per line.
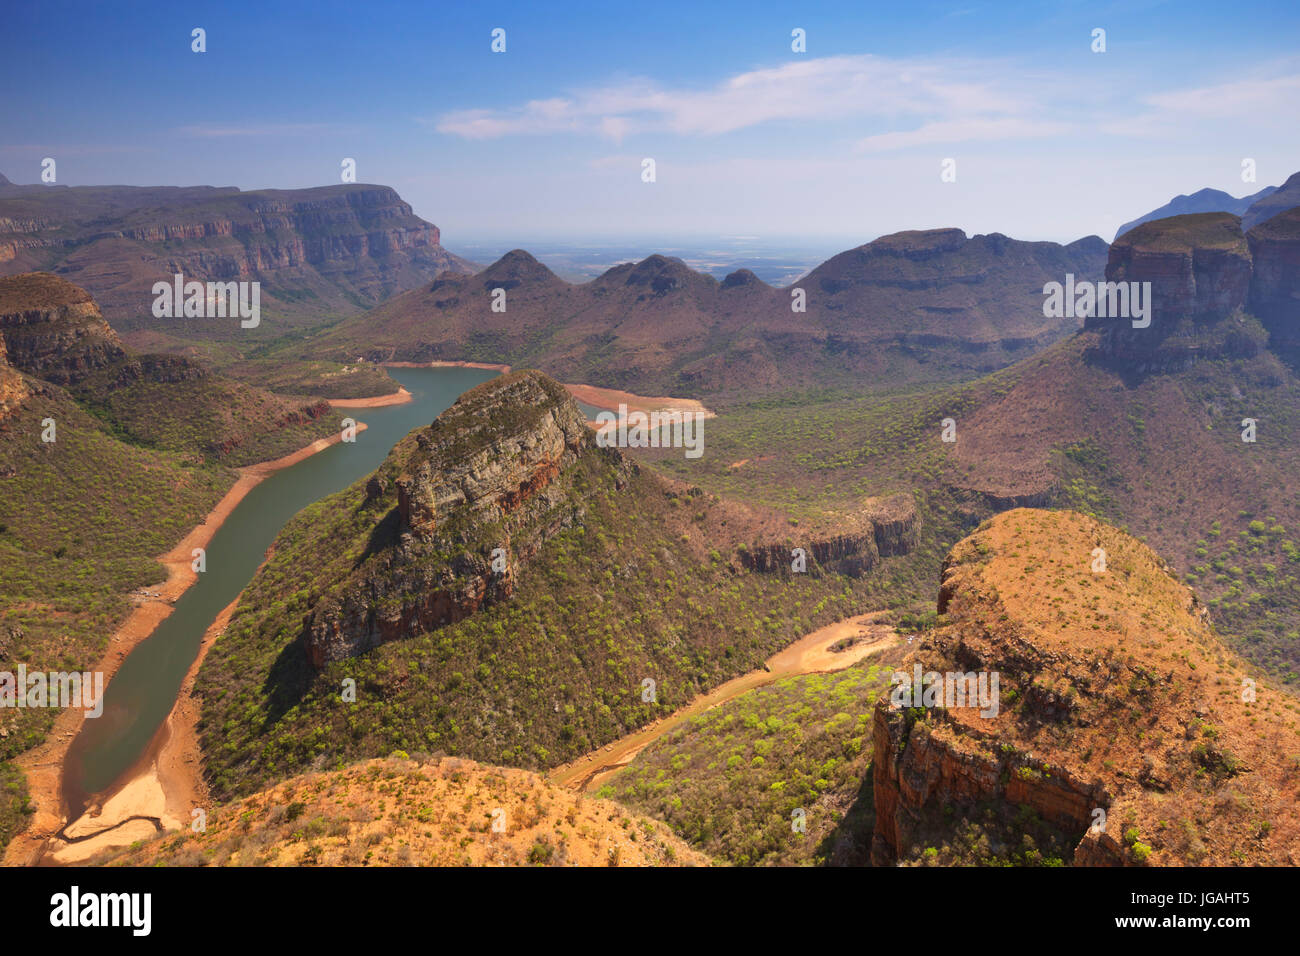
<point x="881" y="528"/>
<point x="1198" y="268"/>
<point x="1118" y="728"/>
<point x="467" y="499"/>
<point x="330" y="247"/>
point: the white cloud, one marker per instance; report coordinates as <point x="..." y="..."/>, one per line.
<point x="819" y="89"/>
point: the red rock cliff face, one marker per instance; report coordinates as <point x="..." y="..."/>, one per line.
<point x="488" y="474"/>
<point x="12" y="388"/>
<point x="1113" y="696"/>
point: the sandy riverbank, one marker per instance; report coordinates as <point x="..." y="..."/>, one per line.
<point x="151" y="790"/>
<point x="439" y="364"/>
<point x="399" y="397"/>
<point x="612" y="398"/>
<point x="810" y="654"/>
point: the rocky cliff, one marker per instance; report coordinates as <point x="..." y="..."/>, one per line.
<point x="1123" y="732"/>
<point x="12" y="388"/>
<point x="317" y="251"/>
<point x="1199" y="269"/>
<point x="850" y="544"/>
<point x="53" y="329"/>
<point x="1275" y="287"/>
<point x="473" y="495"/>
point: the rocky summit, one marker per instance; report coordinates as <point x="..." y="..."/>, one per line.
<point x="1124" y="732"/>
<point x="467" y="499"/>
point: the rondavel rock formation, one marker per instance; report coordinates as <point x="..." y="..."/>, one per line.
<point x="1203" y="272"/>
<point x="1122" y="722"/>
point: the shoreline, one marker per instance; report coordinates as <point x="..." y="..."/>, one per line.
<point x="609" y="399"/>
<point x="399" y="397"/>
<point x="43" y="765"/>
<point x="440" y="363"/>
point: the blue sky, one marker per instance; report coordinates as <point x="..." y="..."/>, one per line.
<point x="845" y="141"/>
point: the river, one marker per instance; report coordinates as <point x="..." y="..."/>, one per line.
<point x="144" y="689"/>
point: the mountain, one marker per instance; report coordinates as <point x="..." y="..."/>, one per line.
<point x="915" y="306"/>
<point x="501" y="588"/>
<point x="1204" y="200"/>
<point x="1114" y="695"/>
<point x="54" y="331"/>
<point x="319" y="252"/>
<point x="418" y="812"/>
<point x="1285" y="197"/>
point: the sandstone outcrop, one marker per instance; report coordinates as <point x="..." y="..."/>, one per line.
<point x="1121" y="723"/>
<point x="53" y="330"/>
<point x="1199" y="269"/>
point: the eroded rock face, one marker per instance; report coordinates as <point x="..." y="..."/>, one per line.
<point x="1275" y="288"/>
<point x="1199" y="267"/>
<point x="1112" y="726"/>
<point x="53" y="330"/>
<point x="884" y="527"/>
<point x="477" y="493"/>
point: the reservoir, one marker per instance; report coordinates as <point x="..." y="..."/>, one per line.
<point x="144" y="689"/>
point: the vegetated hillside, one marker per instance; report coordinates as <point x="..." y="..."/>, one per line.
<point x="611" y="577"/>
<point x="914" y="306"/>
<point x="321" y="252"/>
<point x="1114" y="695"/>
<point x="737" y="781"/>
<point x="1142" y="428"/>
<point x="1287" y="196"/>
<point x="81" y="522"/>
<point x="141" y="451"/>
<point x="1203" y="200"/>
<point x="401" y="811"/>
<point x="53" y="330"/>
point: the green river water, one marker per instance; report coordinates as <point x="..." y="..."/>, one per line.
<point x="143" y="691"/>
